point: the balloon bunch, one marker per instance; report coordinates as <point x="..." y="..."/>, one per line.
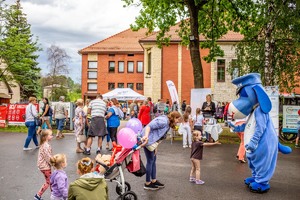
<point x="127" y="137"/>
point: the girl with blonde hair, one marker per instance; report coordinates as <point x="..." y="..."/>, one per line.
<point x="59" y="179"/>
<point x="43" y="162"/>
<point x="196" y="156"/>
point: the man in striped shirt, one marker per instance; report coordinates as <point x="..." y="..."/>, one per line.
<point x="97" y="127"/>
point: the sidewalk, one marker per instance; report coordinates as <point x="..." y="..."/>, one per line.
<point x="223" y="175"/>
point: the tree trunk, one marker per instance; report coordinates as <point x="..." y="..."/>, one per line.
<point x="194" y="45"/>
<point x="269" y="48"/>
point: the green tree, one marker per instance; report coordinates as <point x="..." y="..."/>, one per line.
<point x="271" y="45"/>
<point x="210" y="18"/>
<point x="18" y="51"/>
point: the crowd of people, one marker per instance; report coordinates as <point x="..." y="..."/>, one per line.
<point x="101" y="118"/>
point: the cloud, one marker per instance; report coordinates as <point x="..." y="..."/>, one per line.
<point x="73" y="25"/>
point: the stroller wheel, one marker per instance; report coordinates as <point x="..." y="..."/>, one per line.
<point x="119" y="188"/>
<point x="129" y="196"/>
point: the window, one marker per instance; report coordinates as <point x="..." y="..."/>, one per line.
<point x="92" y="75"/>
<point x="111" y="86"/>
<point x="120" y="85"/>
<point x="220" y="70"/>
<point x="92" y="64"/>
<point x="140" y="67"/>
<point x="92" y="86"/>
<point x="139" y="86"/>
<point x="130" y="67"/>
<point x="121" y="67"/>
<point x="149" y="63"/>
<point x="130" y="85"/>
<point x="235" y="69"/>
<point x="130" y="54"/>
<point x="111" y="67"/>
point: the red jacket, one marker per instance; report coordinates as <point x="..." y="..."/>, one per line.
<point x="144" y="114"/>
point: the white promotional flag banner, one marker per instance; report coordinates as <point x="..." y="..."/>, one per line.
<point x="173" y="92"/>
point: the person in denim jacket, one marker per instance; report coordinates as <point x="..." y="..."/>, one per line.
<point x="152" y="135"/>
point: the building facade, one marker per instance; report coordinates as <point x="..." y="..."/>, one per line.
<point x="116" y="62"/>
<point x="132" y="59"/>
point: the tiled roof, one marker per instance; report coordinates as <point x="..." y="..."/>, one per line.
<point x="128" y="41"/>
<point x="229" y="37"/>
<point x="125" y="41"/>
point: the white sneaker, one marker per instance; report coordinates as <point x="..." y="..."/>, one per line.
<point x="27" y="149"/>
<point x="185" y="147"/>
<point x="190" y="146"/>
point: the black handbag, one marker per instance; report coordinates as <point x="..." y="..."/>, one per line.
<point x="37" y="120"/>
<point x="142" y="171"/>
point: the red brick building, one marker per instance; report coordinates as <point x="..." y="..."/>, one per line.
<point x="131" y="59"/>
<point x="115" y="62"/>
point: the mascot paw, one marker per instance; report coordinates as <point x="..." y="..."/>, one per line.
<point x="249" y="180"/>
<point x="259" y="188"/>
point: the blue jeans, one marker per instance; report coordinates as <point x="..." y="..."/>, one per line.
<point x="60" y="123"/>
<point x="151" y="165"/>
<point x="31" y="133"/>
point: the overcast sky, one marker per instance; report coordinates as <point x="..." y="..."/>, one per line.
<point x="74" y="24"/>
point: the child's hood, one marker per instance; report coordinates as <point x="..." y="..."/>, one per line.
<point x="90" y="181"/>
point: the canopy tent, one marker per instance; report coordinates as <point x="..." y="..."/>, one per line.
<point x="123" y="94"/>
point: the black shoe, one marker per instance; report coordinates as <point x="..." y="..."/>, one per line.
<point x="242" y="161"/>
<point x="151" y="186"/>
<point x="98" y="152"/>
<point x="87" y="152"/>
<point x="159" y="184"/>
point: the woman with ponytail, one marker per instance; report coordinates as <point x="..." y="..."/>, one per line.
<point x="152" y="136"/>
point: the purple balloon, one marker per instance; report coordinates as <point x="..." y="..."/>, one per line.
<point x="127" y="138"/>
<point x="135" y="124"/>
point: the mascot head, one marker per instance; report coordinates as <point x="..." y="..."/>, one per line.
<point x="251" y="93"/>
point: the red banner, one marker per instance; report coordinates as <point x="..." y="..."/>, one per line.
<point x="16" y="113"/>
<point x="3" y="112"/>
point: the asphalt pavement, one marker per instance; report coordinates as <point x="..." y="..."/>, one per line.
<point x="222" y="173"/>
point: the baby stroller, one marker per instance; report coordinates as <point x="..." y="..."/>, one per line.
<point x="115" y="173"/>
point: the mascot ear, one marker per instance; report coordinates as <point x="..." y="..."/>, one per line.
<point x="263" y="99"/>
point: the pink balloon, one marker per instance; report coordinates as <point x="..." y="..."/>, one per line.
<point x="135" y="124"/>
<point x="127" y="138"/>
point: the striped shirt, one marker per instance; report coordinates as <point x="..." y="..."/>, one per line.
<point x="98" y="108"/>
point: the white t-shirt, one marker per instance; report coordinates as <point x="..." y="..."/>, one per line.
<point x="198" y="120"/>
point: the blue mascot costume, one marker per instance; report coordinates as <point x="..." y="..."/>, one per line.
<point x="260" y="138"/>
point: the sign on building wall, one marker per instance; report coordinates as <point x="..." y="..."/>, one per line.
<point x="273" y="94"/>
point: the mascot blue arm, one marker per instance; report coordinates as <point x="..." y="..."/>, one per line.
<point x="261" y="140"/>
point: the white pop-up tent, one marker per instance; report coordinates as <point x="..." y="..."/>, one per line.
<point x="123" y="94"/>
